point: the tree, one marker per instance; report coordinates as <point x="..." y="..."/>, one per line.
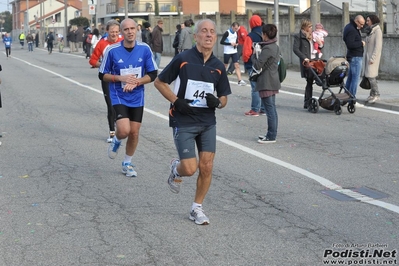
<point x="80" y="21"/>
<point x="7" y="24"/>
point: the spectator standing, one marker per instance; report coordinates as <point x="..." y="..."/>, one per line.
<point x="157" y="42"/>
<point x="85" y="33"/>
<point x="241" y="34"/>
<point x="192" y="116"/>
<point x="146" y="35"/>
<point x="186" y="37"/>
<point x="112" y="37"/>
<point x="29" y="41"/>
<point x="230" y="42"/>
<point x="372" y="56"/>
<point x="89" y="37"/>
<point x="22" y="39"/>
<point x="268" y="83"/>
<point x="50" y="40"/>
<point x="355" y="50"/>
<point x="127" y="79"/>
<point x="139" y="32"/>
<point x="95" y="38"/>
<point x="37" y="39"/>
<point x="176" y="40"/>
<point x="72" y="38"/>
<point x="7" y="43"/>
<point x="303" y="48"/>
<point x="255" y="22"/>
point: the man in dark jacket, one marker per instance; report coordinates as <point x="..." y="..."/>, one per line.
<point x="157" y="42"/>
<point x="177" y="39"/>
<point x="354" y="54"/>
<point x="255" y="22"/>
<point x="146" y="33"/>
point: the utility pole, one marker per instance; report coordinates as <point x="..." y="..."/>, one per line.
<point x="27" y="16"/>
<point x="276" y="19"/>
<point x="65" y="20"/>
<point x="313" y="12"/>
<point x="126" y="11"/>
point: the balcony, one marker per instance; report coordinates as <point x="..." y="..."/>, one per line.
<point x="146" y="7"/>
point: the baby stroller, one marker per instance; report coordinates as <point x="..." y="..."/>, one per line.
<point x="331" y="74"/>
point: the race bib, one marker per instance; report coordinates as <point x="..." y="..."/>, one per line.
<point x="130" y="71"/>
<point x="197" y="90"/>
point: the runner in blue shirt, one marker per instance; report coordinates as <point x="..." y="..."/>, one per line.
<point x="7" y="42"/>
<point x="127" y="66"/>
<point x="198" y="74"/>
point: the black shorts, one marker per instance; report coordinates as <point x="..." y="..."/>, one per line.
<point x="226" y="58"/>
<point x="134" y="114"/>
<point x="187" y="137"/>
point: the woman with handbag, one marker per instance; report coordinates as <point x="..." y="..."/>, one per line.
<point x="268" y="82"/>
<point x="372" y="56"/>
<point x="303" y="47"/>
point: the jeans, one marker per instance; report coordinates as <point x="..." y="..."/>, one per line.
<point x="157" y="58"/>
<point x="355" y="66"/>
<point x="256" y="103"/>
<point x="272" y="118"/>
<point x="30" y="46"/>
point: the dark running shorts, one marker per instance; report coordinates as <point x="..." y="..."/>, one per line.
<point x="186" y="137"/>
<point x="227" y="57"/>
<point x="133" y="113"/>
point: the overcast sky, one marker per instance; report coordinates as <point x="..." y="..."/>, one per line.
<point x="3" y="6"/>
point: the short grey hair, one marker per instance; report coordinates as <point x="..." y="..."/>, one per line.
<point x="199" y="22"/>
<point x="112" y="22"/>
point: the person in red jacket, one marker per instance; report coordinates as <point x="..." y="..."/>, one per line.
<point x="255" y="22"/>
<point x="241" y="34"/>
<point x="113" y="29"/>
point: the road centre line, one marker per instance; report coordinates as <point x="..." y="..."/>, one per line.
<point x="321" y="180"/>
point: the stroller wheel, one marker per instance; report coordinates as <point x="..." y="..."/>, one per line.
<point x="313" y="106"/>
<point x="337" y="108"/>
<point x="351" y="108"/>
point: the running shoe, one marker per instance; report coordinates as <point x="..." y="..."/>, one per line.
<point x="113" y="148"/>
<point x="128" y="169"/>
<point x="198" y="216"/>
<point x="111" y="136"/>
<point x="174" y="181"/>
<point x="251" y="113"/>
<point x="242" y="83"/>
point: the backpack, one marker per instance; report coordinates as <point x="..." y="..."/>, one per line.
<point x="89" y="37"/>
<point x="176" y="40"/>
<point x="282" y="69"/>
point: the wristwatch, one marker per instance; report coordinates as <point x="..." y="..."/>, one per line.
<point x="219" y="105"/>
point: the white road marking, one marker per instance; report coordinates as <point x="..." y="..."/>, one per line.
<point x="321" y="180"/>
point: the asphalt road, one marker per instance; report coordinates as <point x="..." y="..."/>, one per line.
<point x="300" y="201"/>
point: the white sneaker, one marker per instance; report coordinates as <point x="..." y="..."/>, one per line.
<point x="198" y="216"/>
<point x="111" y="136"/>
<point x="242" y="83"/>
<point x="374" y="99"/>
<point x="128" y="169"/>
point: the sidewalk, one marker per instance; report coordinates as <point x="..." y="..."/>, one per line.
<point x="389" y="90"/>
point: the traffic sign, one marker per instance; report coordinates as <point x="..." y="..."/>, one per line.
<point x="92" y="9"/>
<point x="53" y="21"/>
<point x="92" y="2"/>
